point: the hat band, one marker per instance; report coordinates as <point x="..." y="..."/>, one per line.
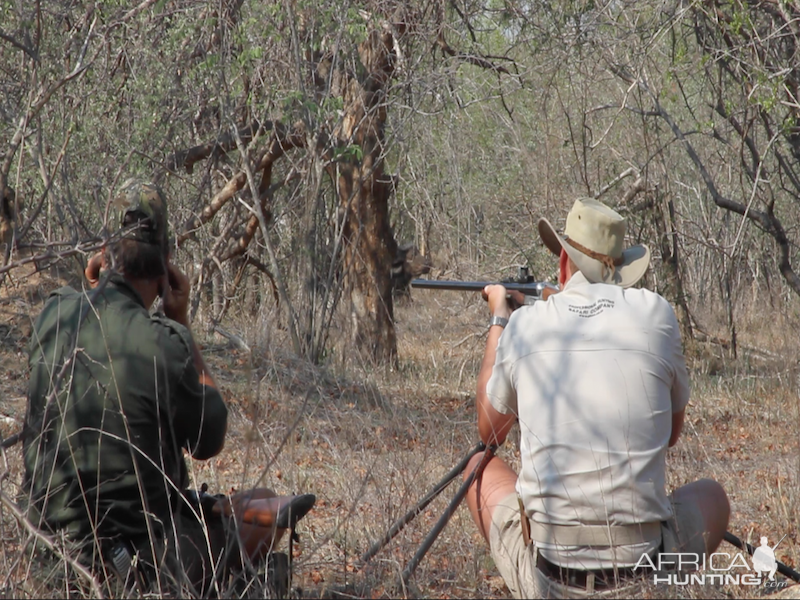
<point x="607" y="261"/>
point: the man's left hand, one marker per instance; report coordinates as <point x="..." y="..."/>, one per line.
<point x="497" y="297"/>
<point x="175" y="297"/>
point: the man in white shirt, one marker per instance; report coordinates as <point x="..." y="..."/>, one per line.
<point x="596" y="378"/>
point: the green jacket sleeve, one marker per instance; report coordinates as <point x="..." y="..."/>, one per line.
<point x="200" y="417"/>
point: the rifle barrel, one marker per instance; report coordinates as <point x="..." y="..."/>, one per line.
<point x="534" y="288"/>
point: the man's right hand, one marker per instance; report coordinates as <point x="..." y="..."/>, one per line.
<point x="175" y="302"/>
<point x="175" y="298"/>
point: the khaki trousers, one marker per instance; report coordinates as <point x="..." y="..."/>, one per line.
<point x="516" y="561"/>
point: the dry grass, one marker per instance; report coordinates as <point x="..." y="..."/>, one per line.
<point x="371" y="443"/>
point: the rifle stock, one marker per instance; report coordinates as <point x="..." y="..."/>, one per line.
<point x="263" y="517"/>
<point x="535" y="290"/>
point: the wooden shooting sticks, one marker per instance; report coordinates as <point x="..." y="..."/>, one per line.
<point x="397" y="527"/>
<point x="459" y="497"/>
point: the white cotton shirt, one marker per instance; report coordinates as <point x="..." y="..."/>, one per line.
<point x="594" y="374"/>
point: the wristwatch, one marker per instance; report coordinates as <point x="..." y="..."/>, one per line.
<point x="495" y="320"/>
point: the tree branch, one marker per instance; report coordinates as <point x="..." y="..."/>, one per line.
<point x="186" y="159"/>
<point x="14" y="42"/>
<point x="478" y="61"/>
<point x="766" y="220"/>
<point x="279" y="144"/>
<point x="48" y="180"/>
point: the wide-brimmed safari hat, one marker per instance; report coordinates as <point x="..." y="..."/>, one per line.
<point x="593" y="238"/>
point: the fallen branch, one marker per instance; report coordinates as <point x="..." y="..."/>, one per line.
<point x="11" y="440"/>
<point x="233" y="338"/>
<point x="702" y="336"/>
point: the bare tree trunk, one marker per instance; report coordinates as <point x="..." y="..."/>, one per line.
<point x="369" y="248"/>
<point x="729" y="307"/>
<point x="664" y="223"/>
<point x="364" y="191"/>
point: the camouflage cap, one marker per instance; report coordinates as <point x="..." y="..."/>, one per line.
<point x="143" y="203"/>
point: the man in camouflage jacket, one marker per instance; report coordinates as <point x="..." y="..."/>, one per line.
<point x="116" y="394"/>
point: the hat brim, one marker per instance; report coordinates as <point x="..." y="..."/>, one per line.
<point x="635" y="259"/>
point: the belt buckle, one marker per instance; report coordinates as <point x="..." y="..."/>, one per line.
<point x="573" y="578"/>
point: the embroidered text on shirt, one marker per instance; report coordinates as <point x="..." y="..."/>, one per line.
<point x="592" y="310"/>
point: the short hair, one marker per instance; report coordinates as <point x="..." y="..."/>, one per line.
<point x="137" y="259"/>
<point x="142" y="251"/>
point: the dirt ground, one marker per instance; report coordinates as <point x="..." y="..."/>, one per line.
<point x="371" y="443"/>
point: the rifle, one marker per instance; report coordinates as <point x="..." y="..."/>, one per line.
<point x="783" y="569"/>
<point x="523" y="283"/>
<point x="259" y="518"/>
<point x="263" y="516"/>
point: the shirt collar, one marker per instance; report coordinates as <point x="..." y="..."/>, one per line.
<point x="577" y="279"/>
<point x="119" y="282"/>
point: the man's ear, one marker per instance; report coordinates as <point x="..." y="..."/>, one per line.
<point x="96" y="263"/>
<point x="563" y="261"/>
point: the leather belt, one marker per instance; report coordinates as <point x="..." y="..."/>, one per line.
<point x="603" y="578"/>
<point x="589" y="579"/>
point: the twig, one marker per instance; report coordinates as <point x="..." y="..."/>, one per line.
<point x="48" y="182"/>
<point x="478" y="61"/>
<point x="468" y="337"/>
<point x="249" y="260"/>
<point x="289" y="432"/>
<point x="51" y="544"/>
<point x="16" y="43"/>
<point x="89" y="246"/>
<point x="11" y="440"/>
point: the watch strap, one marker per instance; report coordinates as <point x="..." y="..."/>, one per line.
<point x="495" y="320"/>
